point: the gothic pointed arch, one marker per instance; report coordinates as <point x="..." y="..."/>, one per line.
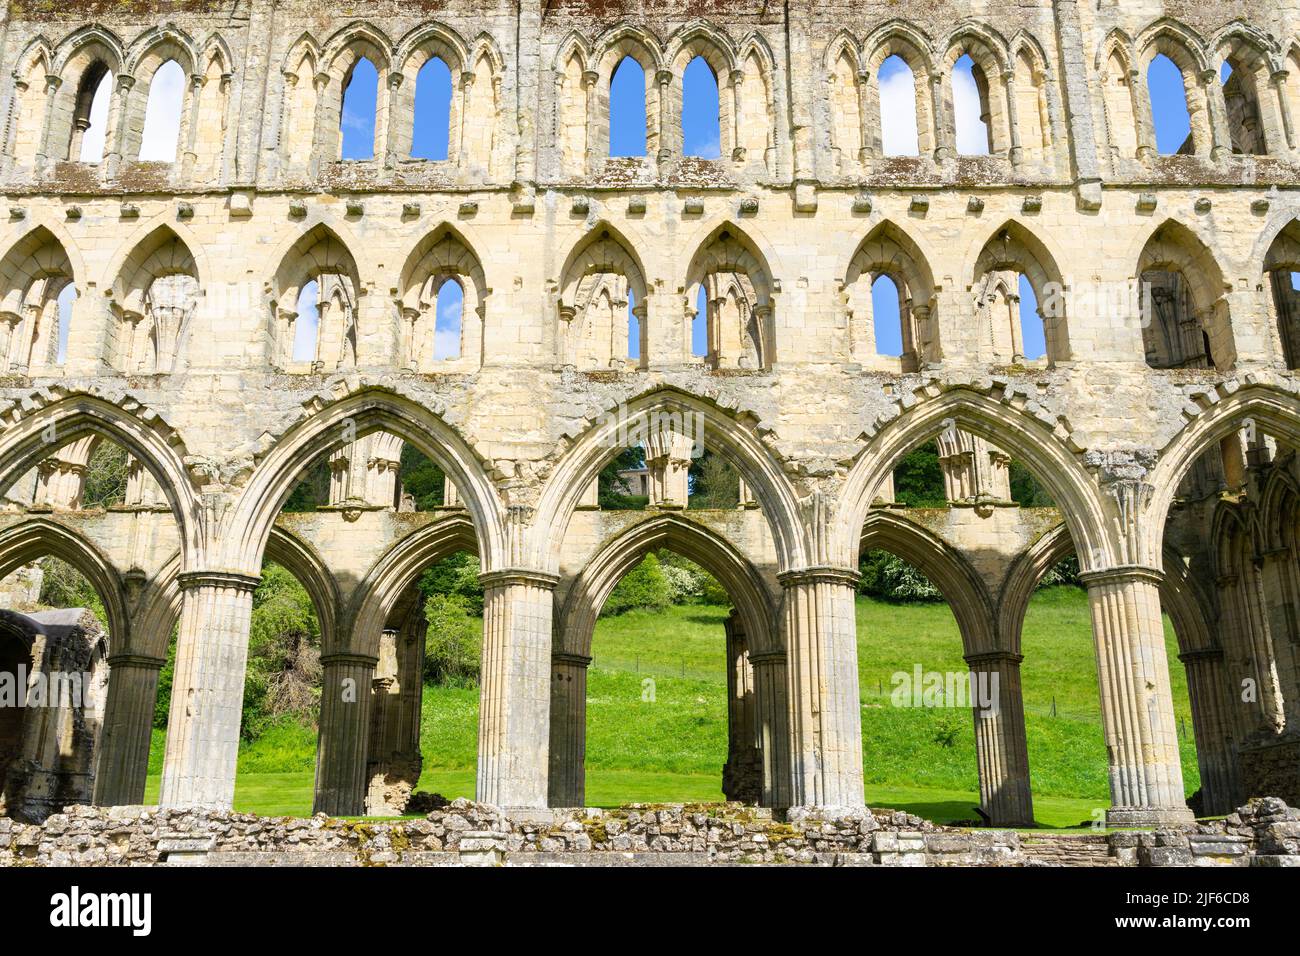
<point x="600" y="277"/>
<point x="154" y="297"/>
<point x="317" y="262"/>
<point x="1015" y="250"/>
<point x="35" y="272"/>
<point x="888" y="250"/>
<point x="321" y="427"/>
<point x="443" y="254"/>
<point x="739" y="291"/>
<point x="741" y="580"/>
<point x="1188" y="323"/>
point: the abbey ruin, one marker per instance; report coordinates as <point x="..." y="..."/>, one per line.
<point x="158" y="305"/>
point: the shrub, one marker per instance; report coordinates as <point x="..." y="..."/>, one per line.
<point x="890" y="578"/>
<point x="452" y="643"/>
<point x="645" y="586"/>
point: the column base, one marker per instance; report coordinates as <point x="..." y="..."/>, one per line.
<point x="1150" y="817"/>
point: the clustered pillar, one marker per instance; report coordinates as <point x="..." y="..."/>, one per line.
<point x="1000" y="743"/>
<point x="1137" y="708"/>
<point x="345" y="705"/>
<point x="822" y="674"/>
<point x="568" y="768"/>
<point x="123" y="762"/>
<point x="208" y="690"/>
<point x="514" y="713"/>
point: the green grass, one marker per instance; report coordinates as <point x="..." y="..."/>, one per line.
<point x="656" y="727"/>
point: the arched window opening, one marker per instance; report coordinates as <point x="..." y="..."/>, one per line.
<point x="1020" y="301"/>
<point x="432" y="124"/>
<point x="736" y="300"/>
<point x="627" y="109"/>
<point x="898" y="127"/>
<point x="1282" y="267"/>
<point x="1169" y="107"/>
<point x="447" y="327"/>
<point x="1241" y="96"/>
<point x="970" y="98"/>
<point x="360" y="106"/>
<point x="162" y="115"/>
<point x="90" y="121"/>
<point x="701" y="116"/>
<point x="886" y="311"/>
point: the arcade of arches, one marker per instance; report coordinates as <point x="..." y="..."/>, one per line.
<point x="528" y="307"/>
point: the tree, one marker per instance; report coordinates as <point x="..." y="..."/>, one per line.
<point x="714" y="482"/>
<point x="918" y="479"/>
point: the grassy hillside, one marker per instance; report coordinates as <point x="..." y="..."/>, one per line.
<point x="673" y="748"/>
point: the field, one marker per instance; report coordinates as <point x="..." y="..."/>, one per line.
<point x="672" y="748"/>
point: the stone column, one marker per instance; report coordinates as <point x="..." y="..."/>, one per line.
<point x="1137" y="708"/>
<point x="590" y="162"/>
<point x="123" y="760"/>
<point x="945" y="144"/>
<point x="1000" y="744"/>
<point x="666" y="136"/>
<point x="1015" y="151"/>
<point x="568" y="758"/>
<point x="1221" y="787"/>
<point x="514" y="713"/>
<point x="772" y="726"/>
<point x="822" y="678"/>
<point x="207" y="689"/>
<point x="1277" y="81"/>
<point x="1216" y="116"/>
<point x="345" y="706"/>
<point x="1140" y="98"/>
<point x="742" y="775"/>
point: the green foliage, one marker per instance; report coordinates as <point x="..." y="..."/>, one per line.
<point x="453" y="643"/>
<point x="313" y="490"/>
<point x="106" y="474"/>
<point x="64" y="586"/>
<point x="1065" y="572"/>
<point x="421" y="478"/>
<point x="455" y="575"/>
<point x="688" y="583"/>
<point x="283" y="680"/>
<point x="610" y="490"/>
<point x="714" y="482"/>
<point x="949" y="727"/>
<point x="918" y="480"/>
<point x="1025" y="489"/>
<point x="890" y="578"/>
<point x="163" y="702"/>
<point x="645" y="586"/>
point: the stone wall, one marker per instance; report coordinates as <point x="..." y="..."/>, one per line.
<point x="472" y="834"/>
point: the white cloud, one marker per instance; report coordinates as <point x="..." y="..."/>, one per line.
<point x="162" y="117"/>
<point x="972" y="132"/>
<point x="898" y="109"/>
<point x="446" y="333"/>
<point x="307" y="324"/>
